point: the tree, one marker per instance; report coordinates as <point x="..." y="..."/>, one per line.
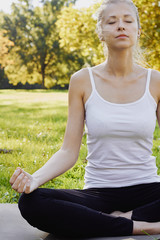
<point x="5" y="45"/>
<point x="149" y="12"/>
<point x="5" y="59"/>
<point x="77" y="33"/>
<point x="34" y="33"/>
<point x="52" y="42"/>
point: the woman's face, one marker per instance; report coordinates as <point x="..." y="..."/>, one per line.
<point x="119" y="19"/>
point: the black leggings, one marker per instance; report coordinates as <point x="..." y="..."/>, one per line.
<point x="86" y="213"/>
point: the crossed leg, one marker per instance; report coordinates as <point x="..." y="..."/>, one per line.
<point x="140" y="227"/>
<point x="146" y="217"/>
<point x="81" y="214"/>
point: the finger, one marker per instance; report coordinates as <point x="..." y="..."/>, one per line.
<point x="27" y="188"/>
<point x="17" y="181"/>
<point x="22" y="184"/>
<point x="15" y="175"/>
<point x="29" y="176"/>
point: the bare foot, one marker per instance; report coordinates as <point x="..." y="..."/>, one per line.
<point x="126" y="215"/>
<point x="116" y="213"/>
<point x="122" y="214"/>
<point x="140" y="228"/>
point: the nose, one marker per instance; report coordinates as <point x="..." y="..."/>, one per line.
<point x="121" y="25"/>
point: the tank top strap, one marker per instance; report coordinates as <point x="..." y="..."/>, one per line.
<point x="148" y="79"/>
<point x="91" y="78"/>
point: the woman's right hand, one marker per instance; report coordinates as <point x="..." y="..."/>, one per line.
<point x="22" y="181"/>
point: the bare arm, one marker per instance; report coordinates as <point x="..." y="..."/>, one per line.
<point x="67" y="156"/>
<point x="156" y="76"/>
<point x="158" y="113"/>
<point x="155" y="90"/>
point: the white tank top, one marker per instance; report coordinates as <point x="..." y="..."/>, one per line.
<point x="120" y="140"/>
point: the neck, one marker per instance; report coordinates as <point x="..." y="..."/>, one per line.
<point x="120" y="63"/>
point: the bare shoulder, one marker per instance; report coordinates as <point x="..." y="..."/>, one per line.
<point x="156" y="76"/>
<point x="79" y="76"/>
<point x="80" y="83"/>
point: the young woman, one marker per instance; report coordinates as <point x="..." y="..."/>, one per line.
<point x="118" y="99"/>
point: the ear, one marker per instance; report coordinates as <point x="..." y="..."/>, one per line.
<point x="101" y="37"/>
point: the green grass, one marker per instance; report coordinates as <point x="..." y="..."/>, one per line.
<point x="32" y="124"/>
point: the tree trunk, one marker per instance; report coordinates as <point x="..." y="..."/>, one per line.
<point x="43" y="76"/>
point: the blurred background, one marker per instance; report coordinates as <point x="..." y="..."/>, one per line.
<point x="42" y="43"/>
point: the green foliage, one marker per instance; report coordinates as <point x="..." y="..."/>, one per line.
<point x="32" y="124"/>
<point x="53" y="41"/>
<point x="5" y="60"/>
<point x="77" y="33"/>
<point x="149" y="12"/>
<point x="37" y="55"/>
<point x="5" y="45"/>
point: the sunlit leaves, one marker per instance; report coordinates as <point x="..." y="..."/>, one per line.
<point x="149" y="12"/>
<point x="36" y="40"/>
<point x="5" y="44"/>
<point x="51" y="44"/>
<point x="77" y="32"/>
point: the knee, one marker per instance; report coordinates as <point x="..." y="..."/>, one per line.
<point x="28" y="205"/>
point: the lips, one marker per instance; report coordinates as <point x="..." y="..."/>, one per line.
<point x="121" y="35"/>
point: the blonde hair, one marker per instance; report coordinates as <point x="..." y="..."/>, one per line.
<point x="138" y="53"/>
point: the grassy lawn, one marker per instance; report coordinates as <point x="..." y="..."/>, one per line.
<point x="32" y="124"/>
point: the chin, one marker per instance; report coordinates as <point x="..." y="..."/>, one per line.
<point x="124" y="45"/>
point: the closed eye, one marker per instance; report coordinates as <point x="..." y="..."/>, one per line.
<point x="114" y="22"/>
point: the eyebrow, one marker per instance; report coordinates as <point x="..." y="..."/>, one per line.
<point x="126" y="15"/>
